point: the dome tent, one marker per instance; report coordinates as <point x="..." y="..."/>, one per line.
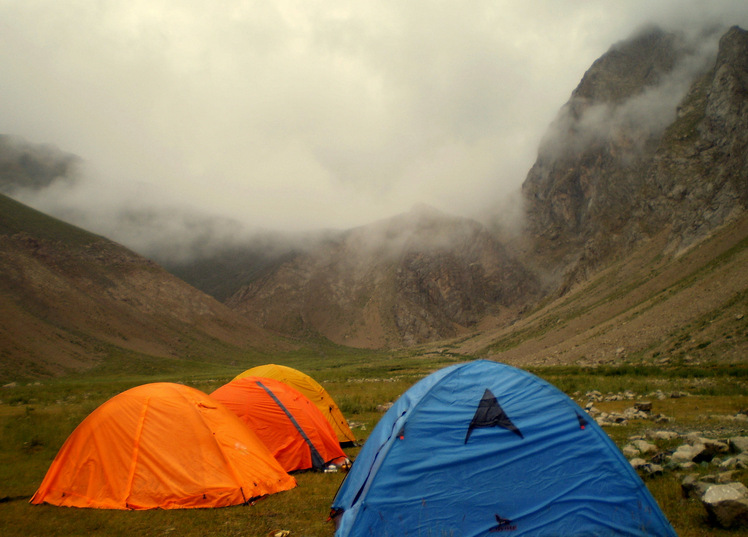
<point x="312" y="390"/>
<point x="293" y="429"/>
<point x="164" y="446"/>
<point x="481" y="447"/>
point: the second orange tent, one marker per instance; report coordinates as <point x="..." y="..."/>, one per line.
<point x="292" y="428"/>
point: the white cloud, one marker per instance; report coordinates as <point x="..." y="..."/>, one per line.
<point x="297" y="114"/>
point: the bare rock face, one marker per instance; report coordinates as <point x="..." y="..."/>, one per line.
<point x="592" y="162"/>
<point x="654" y="138"/>
<point x="418" y="277"/>
<point x="700" y="171"/>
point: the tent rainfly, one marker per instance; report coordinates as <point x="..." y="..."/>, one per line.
<point x="480" y="448"/>
<point x="305" y="384"/>
<point x="292" y="428"/>
<point x="161" y="446"/>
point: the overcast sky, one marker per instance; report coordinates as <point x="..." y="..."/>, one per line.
<point x="301" y="114"/>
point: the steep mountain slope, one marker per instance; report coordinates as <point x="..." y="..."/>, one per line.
<point x="649" y="153"/>
<point x="647" y="307"/>
<point x="413" y="278"/>
<point x="643" y="223"/>
<point x="635" y="246"/>
<point x="70" y="300"/>
<point x="654" y="136"/>
<point x="699" y="175"/>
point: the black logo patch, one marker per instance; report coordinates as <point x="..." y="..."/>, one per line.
<point x="503" y="524"/>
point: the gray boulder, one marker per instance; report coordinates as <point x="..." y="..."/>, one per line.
<point x="739" y="444"/>
<point x="693" y="487"/>
<point x="727" y="505"/>
<point x="645" y="467"/>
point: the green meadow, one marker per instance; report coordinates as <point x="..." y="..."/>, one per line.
<point x="37" y="416"/>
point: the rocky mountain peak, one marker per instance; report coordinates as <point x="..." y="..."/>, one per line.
<point x="628" y="67"/>
<point x="617" y="155"/>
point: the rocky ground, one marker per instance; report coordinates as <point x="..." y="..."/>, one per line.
<point x="712" y="465"/>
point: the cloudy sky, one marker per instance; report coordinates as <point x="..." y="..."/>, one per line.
<point x="302" y="114"/>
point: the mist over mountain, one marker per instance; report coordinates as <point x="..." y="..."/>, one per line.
<point x="652" y="141"/>
<point x="633" y="215"/>
<point x="652" y="138"/>
<point x="33" y="167"/>
<point x="417" y="277"/>
<point x="72" y="301"/>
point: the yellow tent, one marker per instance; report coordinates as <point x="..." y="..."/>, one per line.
<point x="161" y="446"/>
<point x="312" y="390"/>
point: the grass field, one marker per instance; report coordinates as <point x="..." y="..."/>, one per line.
<point x="36" y="418"/>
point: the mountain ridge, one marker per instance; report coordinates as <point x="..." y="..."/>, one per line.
<point x="403" y="280"/>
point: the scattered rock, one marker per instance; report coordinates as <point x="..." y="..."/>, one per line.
<point x="734" y="463"/>
<point x="643" y="406"/>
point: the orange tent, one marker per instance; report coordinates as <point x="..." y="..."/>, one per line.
<point x="163" y="446"/>
<point x="313" y="391"/>
<point x="294" y="430"/>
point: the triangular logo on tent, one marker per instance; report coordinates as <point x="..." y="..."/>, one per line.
<point x="490" y="414"/>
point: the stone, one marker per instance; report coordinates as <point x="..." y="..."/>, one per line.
<point x="694" y="438"/>
<point x="725" y="477"/>
<point x="685" y="453"/>
<point x="663" y="435"/>
<point x="644" y="447"/>
<point x="703" y="450"/>
<point x="738" y="444"/>
<point x="693" y="487"/>
<point x="727" y="505"/>
<point x="643" y="406"/>
<point x="645" y="467"/>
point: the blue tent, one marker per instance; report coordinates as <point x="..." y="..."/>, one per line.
<point x="482" y="448"/>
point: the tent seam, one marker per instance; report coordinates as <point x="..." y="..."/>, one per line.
<point x="315" y="455"/>
<point x="136" y="450"/>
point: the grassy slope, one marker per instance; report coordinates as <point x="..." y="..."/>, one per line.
<point x="71" y="300"/>
<point x="647" y="307"/>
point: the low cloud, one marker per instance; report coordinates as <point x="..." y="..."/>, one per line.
<point x="582" y="124"/>
<point x="285" y="116"/>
